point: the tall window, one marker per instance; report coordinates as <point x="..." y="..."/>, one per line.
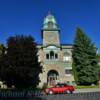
<point x="67" y="57"/>
<point x="47" y="56"/>
<point x="51" y="55"/>
<point x="56" y="56"/>
<point x="50" y="25"/>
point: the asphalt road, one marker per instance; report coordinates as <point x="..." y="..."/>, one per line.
<point x="76" y="96"/>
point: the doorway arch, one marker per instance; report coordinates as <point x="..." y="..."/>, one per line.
<point x="52" y="77"/>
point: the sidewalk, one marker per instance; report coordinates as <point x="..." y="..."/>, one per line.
<point x="87" y="90"/>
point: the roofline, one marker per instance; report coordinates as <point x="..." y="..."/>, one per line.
<point x="60" y="44"/>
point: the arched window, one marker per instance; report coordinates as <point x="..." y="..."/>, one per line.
<point x="66" y="57"/>
<point x="51" y="55"/>
<point x="50" y="24"/>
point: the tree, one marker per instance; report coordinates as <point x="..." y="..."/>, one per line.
<point x="85" y="62"/>
<point x="20" y="65"/>
<point x="2" y="51"/>
<point x="98" y="57"/>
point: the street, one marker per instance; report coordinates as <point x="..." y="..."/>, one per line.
<point x="76" y="96"/>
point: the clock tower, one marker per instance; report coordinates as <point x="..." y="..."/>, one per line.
<point x="56" y="58"/>
<point x="50" y="31"/>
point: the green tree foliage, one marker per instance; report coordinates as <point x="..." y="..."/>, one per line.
<point x="85" y="62"/>
<point x="98" y="57"/>
<point x="20" y="66"/>
<point x="2" y="49"/>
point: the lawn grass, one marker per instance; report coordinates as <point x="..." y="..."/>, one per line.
<point x="83" y="87"/>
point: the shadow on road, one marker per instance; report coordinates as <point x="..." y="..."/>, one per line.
<point x="21" y="98"/>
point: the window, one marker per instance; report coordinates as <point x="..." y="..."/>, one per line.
<point x="51" y="55"/>
<point x="68" y="82"/>
<point x="56" y="56"/>
<point x="47" y="56"/>
<point x="68" y="71"/>
<point x="66" y="57"/>
<point x="50" y="24"/>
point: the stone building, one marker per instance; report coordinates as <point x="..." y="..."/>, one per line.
<point x="56" y="58"/>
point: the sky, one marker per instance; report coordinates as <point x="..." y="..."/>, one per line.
<point x="26" y="17"/>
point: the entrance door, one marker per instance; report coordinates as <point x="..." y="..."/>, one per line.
<point x="52" y="77"/>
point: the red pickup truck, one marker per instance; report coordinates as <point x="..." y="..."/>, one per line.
<point x="60" y="88"/>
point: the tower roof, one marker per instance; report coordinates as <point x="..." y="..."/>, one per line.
<point x="50" y="22"/>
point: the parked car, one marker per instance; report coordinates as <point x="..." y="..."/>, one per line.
<point x="60" y="88"/>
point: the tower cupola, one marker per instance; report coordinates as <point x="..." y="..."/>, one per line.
<point x="50" y="31"/>
<point x="50" y="23"/>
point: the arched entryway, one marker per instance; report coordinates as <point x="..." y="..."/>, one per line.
<point x="52" y="77"/>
